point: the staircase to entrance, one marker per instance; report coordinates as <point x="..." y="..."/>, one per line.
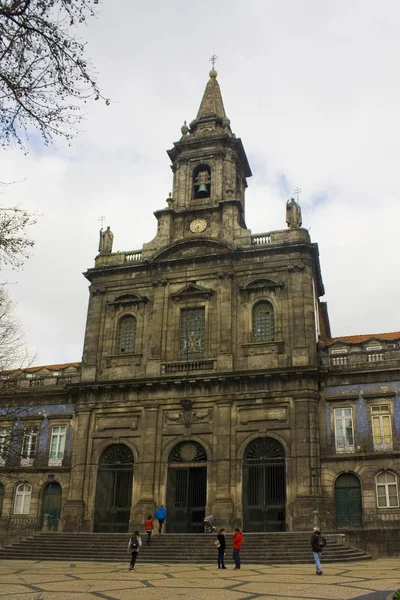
<point x="258" y="548"/>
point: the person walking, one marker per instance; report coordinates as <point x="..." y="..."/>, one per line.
<point x="317" y="544"/>
<point x="221" y="546"/>
<point x="237" y="544"/>
<point x="133" y="548"/>
<point x="148" y="527"/>
<point x="161" y="515"/>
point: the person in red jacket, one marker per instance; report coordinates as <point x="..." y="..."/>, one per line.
<point x="237" y="544"/>
<point x="148" y="527"/>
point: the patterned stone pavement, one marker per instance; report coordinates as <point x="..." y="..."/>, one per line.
<point x="39" y="580"/>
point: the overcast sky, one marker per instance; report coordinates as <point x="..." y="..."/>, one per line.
<point x="310" y="86"/>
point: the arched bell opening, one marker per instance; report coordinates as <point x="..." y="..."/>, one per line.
<point x="202" y="182"/>
<point x="186" y="488"/>
<point x="264" y="486"/>
<point x="114" y="490"/>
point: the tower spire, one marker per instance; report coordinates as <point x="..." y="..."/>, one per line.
<point x="212" y="104"/>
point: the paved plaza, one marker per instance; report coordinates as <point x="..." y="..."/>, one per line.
<point x="39" y="580"/>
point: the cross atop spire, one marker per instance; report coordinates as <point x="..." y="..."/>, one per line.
<point x="213" y="59"/>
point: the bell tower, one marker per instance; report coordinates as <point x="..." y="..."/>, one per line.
<point x="210" y="171"/>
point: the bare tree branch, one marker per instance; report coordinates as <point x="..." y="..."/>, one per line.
<point x="44" y="75"/>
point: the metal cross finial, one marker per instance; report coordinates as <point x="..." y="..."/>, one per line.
<point x="213" y="59"/>
<point x="297" y="191"/>
<point x="102" y="218"/>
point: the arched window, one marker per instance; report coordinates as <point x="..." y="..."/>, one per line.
<point x="263" y="322"/>
<point x="386" y="490"/>
<point x="202" y="182"/>
<point x="126" y="335"/>
<point x="22" y="501"/>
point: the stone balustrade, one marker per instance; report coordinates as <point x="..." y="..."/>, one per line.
<point x="192" y="365"/>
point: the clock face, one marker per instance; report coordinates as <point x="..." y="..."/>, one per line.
<point x="198" y="225"/>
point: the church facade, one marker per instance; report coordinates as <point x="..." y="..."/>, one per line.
<point x="210" y="382"/>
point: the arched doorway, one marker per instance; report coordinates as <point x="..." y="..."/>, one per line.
<point x="114" y="490"/>
<point x="348" y="503"/>
<point x="52" y="499"/>
<point x="186" y="488"/>
<point x="264" y="486"/>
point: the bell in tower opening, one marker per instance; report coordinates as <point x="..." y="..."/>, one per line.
<point x="202" y="182"/>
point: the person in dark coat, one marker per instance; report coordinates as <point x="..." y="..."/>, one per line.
<point x="221" y="548"/>
<point x="317" y="544"/>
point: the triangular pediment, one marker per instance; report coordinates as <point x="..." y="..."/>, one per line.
<point x="261" y="284"/>
<point x="128" y="298"/>
<point x="192" y="290"/>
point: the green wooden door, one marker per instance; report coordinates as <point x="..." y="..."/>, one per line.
<point x="348" y="504"/>
<point x="52" y="500"/>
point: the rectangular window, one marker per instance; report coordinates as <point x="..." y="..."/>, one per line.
<point x="57" y="445"/>
<point x="5" y="438"/>
<point x="381" y="427"/>
<point x="192" y="327"/>
<point x="29" y="443"/>
<point x="344" y="432"/>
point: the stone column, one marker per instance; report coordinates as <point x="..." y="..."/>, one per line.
<point x="146" y="468"/>
<point x="222" y="506"/>
<point x="73" y="511"/>
<point x="225" y="360"/>
<point x="305" y="455"/>
<point x="156" y="331"/>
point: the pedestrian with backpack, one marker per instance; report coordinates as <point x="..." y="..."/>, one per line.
<point x="133" y="548"/>
<point x="318" y="543"/>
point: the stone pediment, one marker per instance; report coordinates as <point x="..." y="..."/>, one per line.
<point x="127" y="299"/>
<point x="192" y="290"/>
<point x="193" y="249"/>
<point x="261" y="284"/>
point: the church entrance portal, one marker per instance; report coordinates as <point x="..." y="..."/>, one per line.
<point x="348" y="504"/>
<point x="114" y="490"/>
<point x="186" y="488"/>
<point x="264" y="486"/>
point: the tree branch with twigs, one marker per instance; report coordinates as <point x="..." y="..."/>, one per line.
<point x="45" y="77"/>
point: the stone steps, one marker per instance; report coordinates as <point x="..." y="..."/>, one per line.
<point x="262" y="548"/>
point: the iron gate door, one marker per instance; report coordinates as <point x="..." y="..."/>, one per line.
<point x="348" y="503"/>
<point x="264" y="486"/>
<point x="187" y="491"/>
<point x="52" y="504"/>
<point x="114" y="490"/>
<point x="187" y="488"/>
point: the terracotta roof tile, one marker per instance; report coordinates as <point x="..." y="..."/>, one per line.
<point x="358" y="339"/>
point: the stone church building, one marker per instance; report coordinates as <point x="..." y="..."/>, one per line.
<point x="210" y="381"/>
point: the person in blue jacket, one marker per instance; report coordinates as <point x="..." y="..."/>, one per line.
<point x="161" y="515"/>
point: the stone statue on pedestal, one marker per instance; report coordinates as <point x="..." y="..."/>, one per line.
<point x="106" y="241"/>
<point x="293" y="214"/>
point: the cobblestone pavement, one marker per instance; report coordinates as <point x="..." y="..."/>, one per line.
<point x="44" y="580"/>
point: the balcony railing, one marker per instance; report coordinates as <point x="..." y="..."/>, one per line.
<point x="361" y="360"/>
<point x="133" y="256"/>
<point x="55" y="459"/>
<point x="260" y="239"/>
<point x="192" y="365"/>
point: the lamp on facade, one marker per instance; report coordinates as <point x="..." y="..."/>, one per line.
<point x="314" y="475"/>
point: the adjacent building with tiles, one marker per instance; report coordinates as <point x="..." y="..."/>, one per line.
<point x="209" y="382"/>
